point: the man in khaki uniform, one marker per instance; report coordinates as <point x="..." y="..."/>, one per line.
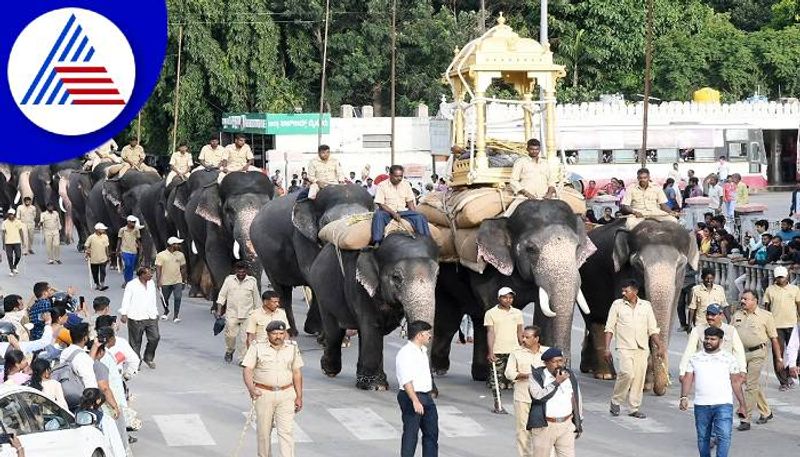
<point x="128" y="245"/>
<point x="256" y="326"/>
<point x="238" y="156"/>
<point x="518" y="370"/>
<point x="783" y="301"/>
<point x="322" y="171"/>
<point x="756" y="328"/>
<point x="396" y="201"/>
<point x="13" y="234"/>
<point x="212" y="155"/>
<point x="631" y="322"/>
<point x="237" y="298"/>
<point x="132" y="157"/>
<point x="51" y="229"/>
<point x="531" y="175"/>
<point x="644" y="200"/>
<point x="180" y="164"/>
<point x="26" y="213"/>
<point x="171" y="269"/>
<point x="97" y="254"/>
<point x="705" y="294"/>
<point x="503" y="333"/>
<point x="272" y="375"/>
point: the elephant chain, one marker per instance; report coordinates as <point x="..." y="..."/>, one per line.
<point x="370" y="379"/>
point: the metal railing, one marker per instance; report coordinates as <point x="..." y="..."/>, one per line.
<point x="756" y="277"/>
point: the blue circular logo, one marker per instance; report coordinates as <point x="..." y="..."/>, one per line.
<point x="77" y="74"/>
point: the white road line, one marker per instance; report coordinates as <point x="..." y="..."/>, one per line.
<point x="364" y="423"/>
<point x="454" y="424"/>
<point x="183" y="430"/>
<point x="300" y="436"/>
<point x="648" y="425"/>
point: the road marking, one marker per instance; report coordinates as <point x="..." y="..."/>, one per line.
<point x="648" y="425"/>
<point x="183" y="430"/>
<point x="454" y="424"/>
<point x="300" y="436"/>
<point x="364" y="423"/>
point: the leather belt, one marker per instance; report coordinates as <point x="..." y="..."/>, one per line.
<point x="558" y="419"/>
<point x="755" y="348"/>
<point x="272" y="388"/>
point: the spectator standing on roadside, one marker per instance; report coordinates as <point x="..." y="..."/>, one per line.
<point x="503" y="333"/>
<point x="742" y="191"/>
<point x="714" y="193"/>
<point x="722" y="168"/>
<point x="415" y="396"/>
<point x="139" y="311"/>
<point x="75" y="354"/>
<point x="520" y="364"/>
<point x="783" y="301"/>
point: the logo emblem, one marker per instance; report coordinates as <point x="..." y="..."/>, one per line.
<point x="71" y="71"/>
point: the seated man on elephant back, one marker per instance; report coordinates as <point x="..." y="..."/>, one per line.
<point x="395" y="200"/>
<point x="532" y="176"/>
<point x="643" y="200"/>
<point x="132" y="157"/>
<point x="323" y="170"/>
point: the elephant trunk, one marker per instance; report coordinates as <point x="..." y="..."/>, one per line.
<point x="242" y="242"/>
<point x="661" y="287"/>
<point x="418" y="296"/>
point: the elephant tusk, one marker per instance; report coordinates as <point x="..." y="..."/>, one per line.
<point x="179" y="233"/>
<point x="582" y="303"/>
<point x="236" y="250"/>
<point x="61" y="204"/>
<point x="544" y="303"/>
<point x="17" y="197"/>
<point x="194" y="248"/>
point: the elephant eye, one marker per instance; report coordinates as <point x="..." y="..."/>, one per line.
<point x="396" y="277"/>
<point x="530" y="249"/>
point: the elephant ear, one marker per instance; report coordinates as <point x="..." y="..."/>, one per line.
<point x="367" y="272"/>
<point x="621" y="249"/>
<point x="693" y="256"/>
<point x="304" y="220"/>
<point x="494" y="245"/>
<point x="585" y="247"/>
<point x="210" y="206"/>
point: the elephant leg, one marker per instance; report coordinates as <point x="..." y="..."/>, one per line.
<point x="657" y="376"/>
<point x="331" y="360"/>
<point x="593" y="357"/>
<point x="313" y="324"/>
<point x="480" y="366"/>
<point x="285" y="294"/>
<point x="369" y="370"/>
<point x="445" y="325"/>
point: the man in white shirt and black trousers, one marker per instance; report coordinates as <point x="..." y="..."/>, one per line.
<point x="556" y="417"/>
<point x="140" y="313"/>
<point x="415" y="396"/>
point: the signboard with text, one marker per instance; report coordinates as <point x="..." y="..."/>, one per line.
<point x="275" y="123"/>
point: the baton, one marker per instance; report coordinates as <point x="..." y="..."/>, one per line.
<point x="119" y="265"/>
<point x="247" y="422"/>
<point x="499" y="407"/>
<point x="91" y="279"/>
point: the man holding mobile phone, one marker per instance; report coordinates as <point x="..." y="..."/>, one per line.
<point x="9" y="441"/>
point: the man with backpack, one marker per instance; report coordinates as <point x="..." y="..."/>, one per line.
<point x="75" y="370"/>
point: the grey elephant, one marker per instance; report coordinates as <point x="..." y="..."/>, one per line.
<point x="372" y="291"/>
<point x="536" y="251"/>
<point x="653" y="253"/>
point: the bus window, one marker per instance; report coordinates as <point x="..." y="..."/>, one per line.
<point x="607" y="156"/>
<point x="667" y="155"/>
<point x="624" y="156"/>
<point x="705" y="154"/>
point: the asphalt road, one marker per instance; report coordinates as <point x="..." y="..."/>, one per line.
<point x="194" y="404"/>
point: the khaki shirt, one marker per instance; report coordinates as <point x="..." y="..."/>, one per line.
<point x="240" y="298"/>
<point x="96" y="247"/>
<point x="133" y="155"/>
<point x="12" y="231"/>
<point x="213" y="157"/>
<point x="782" y="303"/>
<point x="26" y="214"/>
<point x="506" y="324"/>
<point x="329" y="171"/>
<point x="51" y="222"/>
<point x="632" y="325"/>
<point x="520" y="362"/>
<point x="182" y="162"/>
<point x="395" y="197"/>
<point x="754" y="328"/>
<point x="128" y="240"/>
<point x="730" y="342"/>
<point x="535" y="177"/>
<point x="170" y="263"/>
<point x="273" y="367"/>
<point x="237" y="158"/>
<point x="701" y="298"/>
<point x="260" y="318"/>
<point x="646" y="201"/>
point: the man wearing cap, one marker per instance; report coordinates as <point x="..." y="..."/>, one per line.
<point x="632" y="323"/>
<point x="97" y="254"/>
<point x="13" y="234"/>
<point x="140" y="312"/>
<point x="128" y="246"/>
<point x="756" y="328"/>
<point x="518" y="369"/>
<point x="237" y="298"/>
<point x="51" y="228"/>
<point x="730" y="340"/>
<point x="270" y="310"/>
<point x="503" y="333"/>
<point x="26" y="213"/>
<point x="556" y="417"/>
<point x="272" y="375"/>
<point x="783" y="301"/>
<point x="704" y="294"/>
<point x="171" y="271"/>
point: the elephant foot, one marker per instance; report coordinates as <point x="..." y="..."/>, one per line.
<point x="480" y="372"/>
<point x="648" y="386"/>
<point x="660" y="391"/>
<point x="330" y="368"/>
<point x="605" y="376"/>
<point x="292" y="332"/>
<point x="440" y="372"/>
<point x="372" y="382"/>
<point x="312" y="328"/>
<point x="321" y="339"/>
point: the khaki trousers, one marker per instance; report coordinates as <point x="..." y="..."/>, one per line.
<point x="556" y="436"/>
<point x="753" y="394"/>
<point x="632" y="221"/>
<point x="234" y="326"/>
<point x="277" y="407"/>
<point x="630" y="377"/>
<point x="27" y="243"/>
<point x="521" y="411"/>
<point x="52" y="241"/>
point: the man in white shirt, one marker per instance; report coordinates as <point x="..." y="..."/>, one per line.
<point x="415" y="399"/>
<point x="730" y="341"/>
<point x="715" y="375"/>
<point x="140" y="313"/>
<point x="9" y="339"/>
<point x="714" y="193"/>
<point x="82" y="362"/>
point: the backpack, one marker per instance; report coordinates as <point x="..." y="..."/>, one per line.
<point x="761" y="256"/>
<point x="71" y="382"/>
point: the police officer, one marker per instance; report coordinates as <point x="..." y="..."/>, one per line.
<point x="237" y="298"/>
<point x="272" y="376"/>
<point x="27" y="213"/>
<point x="51" y="228"/>
<point x="756" y="329"/>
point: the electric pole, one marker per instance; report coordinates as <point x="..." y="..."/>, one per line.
<point x="648" y="62"/>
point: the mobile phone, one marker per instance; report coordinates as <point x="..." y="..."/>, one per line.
<point x="5" y="438"/>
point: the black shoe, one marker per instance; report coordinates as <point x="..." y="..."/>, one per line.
<point x="228" y="357"/>
<point x="132" y="439"/>
<point x="614" y="409"/>
<point x="763" y="420"/>
<point x="101" y="288"/>
<point x="638" y="415"/>
<point x="743" y="426"/>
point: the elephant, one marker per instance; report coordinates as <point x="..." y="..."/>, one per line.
<point x="284" y="235"/>
<point x="653" y="253"/>
<point x="153" y="206"/>
<point x="536" y="251"/>
<point x="79" y="187"/>
<point x="49" y="185"/>
<point x="372" y="290"/>
<point x="219" y="217"/>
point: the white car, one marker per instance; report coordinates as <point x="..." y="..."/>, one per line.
<point x="44" y="428"/>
